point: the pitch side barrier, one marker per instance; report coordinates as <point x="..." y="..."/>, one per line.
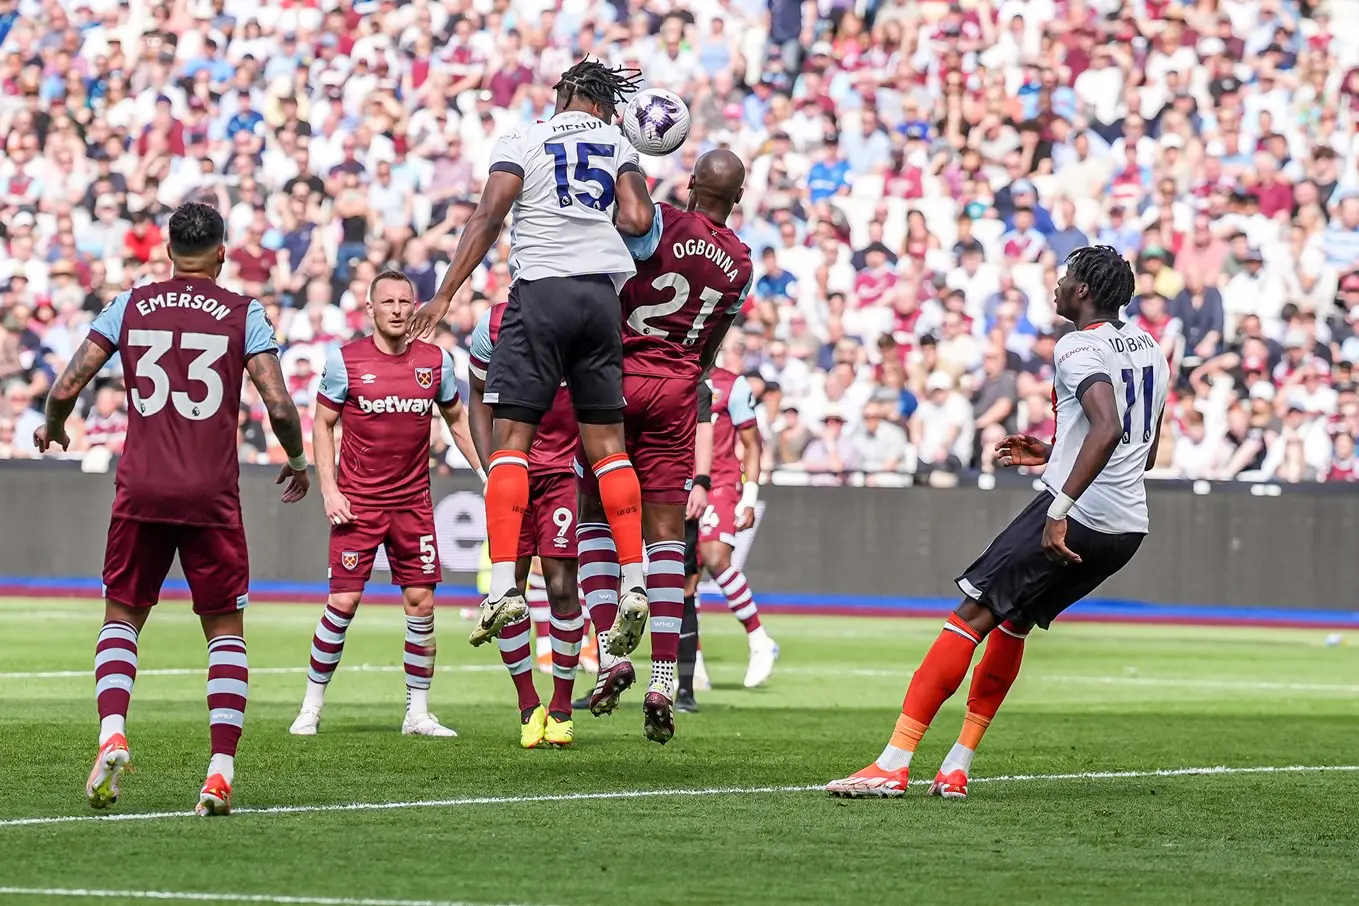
<point x="1222" y="549"/>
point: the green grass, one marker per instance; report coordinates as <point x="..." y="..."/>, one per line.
<point x="1092" y="698"/>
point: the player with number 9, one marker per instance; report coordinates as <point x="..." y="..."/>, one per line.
<point x="183" y="343"/>
<point x="384" y="388"/>
<point x="693" y="275"/>
<point x="547" y="532"/>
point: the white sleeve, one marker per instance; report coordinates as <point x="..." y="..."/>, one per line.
<point x="507" y="155"/>
<point x="1079" y="362"/>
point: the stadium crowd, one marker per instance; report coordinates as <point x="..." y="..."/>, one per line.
<point x="918" y="171"/>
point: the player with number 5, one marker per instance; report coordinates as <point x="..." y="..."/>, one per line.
<point x="183" y="343"/>
<point x="385" y="388"/>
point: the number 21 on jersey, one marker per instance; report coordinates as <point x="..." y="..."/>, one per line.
<point x="678" y="285"/>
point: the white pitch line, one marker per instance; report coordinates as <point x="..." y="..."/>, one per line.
<point x="1219" y="770"/>
<point x="85" y="893"/>
<point x="255" y="671"/>
<point x="1247" y="685"/>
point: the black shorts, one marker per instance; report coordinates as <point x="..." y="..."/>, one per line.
<point x="691" y="564"/>
<point x="1016" y="581"/>
<point x="559" y="328"/>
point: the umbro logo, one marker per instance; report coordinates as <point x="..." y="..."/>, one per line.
<point x="368" y="378"/>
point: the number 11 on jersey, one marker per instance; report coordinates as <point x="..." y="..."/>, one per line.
<point x="1130" y="394"/>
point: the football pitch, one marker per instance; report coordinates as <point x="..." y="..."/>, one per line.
<point x="1130" y="764"/>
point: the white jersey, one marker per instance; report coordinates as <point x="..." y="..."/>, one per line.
<point x="563" y="217"/>
<point x="1132" y="362"/>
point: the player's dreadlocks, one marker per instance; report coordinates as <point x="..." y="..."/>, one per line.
<point x="1106" y="272"/>
<point x="597" y="83"/>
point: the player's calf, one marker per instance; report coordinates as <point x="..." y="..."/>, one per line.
<point x="228" y="688"/>
<point x="327" y="646"/>
<point x="115" y="671"/>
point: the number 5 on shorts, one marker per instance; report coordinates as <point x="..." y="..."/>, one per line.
<point x="429" y="554"/>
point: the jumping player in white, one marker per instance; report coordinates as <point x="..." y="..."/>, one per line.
<point x="1109" y="391"/>
<point x="574" y="184"/>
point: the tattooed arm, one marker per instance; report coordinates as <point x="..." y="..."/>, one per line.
<point x="61" y="399"/>
<point x="267" y="375"/>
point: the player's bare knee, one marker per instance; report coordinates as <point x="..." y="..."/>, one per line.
<point x="977" y="615"/>
<point x="717" y="559"/>
<point x="345" y="602"/>
<point x="418" y="601"/>
<point x="662" y="523"/>
<point x="216" y="625"/>
<point x="601" y="439"/>
<point x="515" y="427"/>
<point x="590" y="509"/>
<point x="561" y="587"/>
<point x="123" y="613"/>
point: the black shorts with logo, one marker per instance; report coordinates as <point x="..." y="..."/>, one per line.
<point x="691" y="563"/>
<point x="555" y="329"/>
<point x="1016" y="581"/>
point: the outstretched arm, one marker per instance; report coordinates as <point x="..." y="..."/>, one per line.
<point x="89" y="358"/>
<point x="267" y="375"/>
<point x="635" y="210"/>
<point x="481" y="232"/>
<point x="479" y="420"/>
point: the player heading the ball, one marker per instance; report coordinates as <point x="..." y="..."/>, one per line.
<point x="573" y="183"/>
<point x="184" y="343"/>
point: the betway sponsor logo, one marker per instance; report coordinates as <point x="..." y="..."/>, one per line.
<point x="384" y="404"/>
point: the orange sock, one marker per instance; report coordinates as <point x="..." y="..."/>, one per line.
<point x="622" y="498"/>
<point x="507" y="497"/>
<point x="941" y="672"/>
<point x="937" y="677"/>
<point x="991" y="680"/>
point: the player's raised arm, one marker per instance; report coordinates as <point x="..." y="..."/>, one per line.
<point x="267" y="375"/>
<point x="89" y="358"/>
<point x="635" y="213"/>
<point x="481" y="232"/>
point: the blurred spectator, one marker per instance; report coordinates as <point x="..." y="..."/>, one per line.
<point x="879" y="445"/>
<point x="918" y="173"/>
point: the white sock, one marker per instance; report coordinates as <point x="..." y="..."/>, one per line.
<point x="606" y="660"/>
<point x="315" y="697"/>
<point x="417" y="701"/>
<point x="959" y="758"/>
<point x="894" y="759"/>
<point x="224" y="765"/>
<point x="758" y="638"/>
<point x="502" y="579"/>
<point x="633" y="577"/>
<point x="111" y="726"/>
<point x="663" y="678"/>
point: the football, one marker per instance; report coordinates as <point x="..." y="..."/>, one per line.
<point x="656" y="121"/>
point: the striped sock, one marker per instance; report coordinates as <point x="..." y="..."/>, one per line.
<point x="540" y="612"/>
<point x="228" y="688"/>
<point x="419" y="663"/>
<point x="740" y="601"/>
<point x="115" y="671"/>
<point x="598" y="576"/>
<point x="327" y="645"/>
<point x="567" y="632"/>
<point x="621" y="496"/>
<point x="665" y="593"/>
<point x="514" y="651"/>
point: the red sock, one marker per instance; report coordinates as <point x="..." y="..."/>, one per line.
<point x="228" y="679"/>
<point x="567" y="631"/>
<point x="622" y="498"/>
<point x="507" y="497"/>
<point x="518" y="658"/>
<point x="991" y="680"/>
<point x="941" y="672"/>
